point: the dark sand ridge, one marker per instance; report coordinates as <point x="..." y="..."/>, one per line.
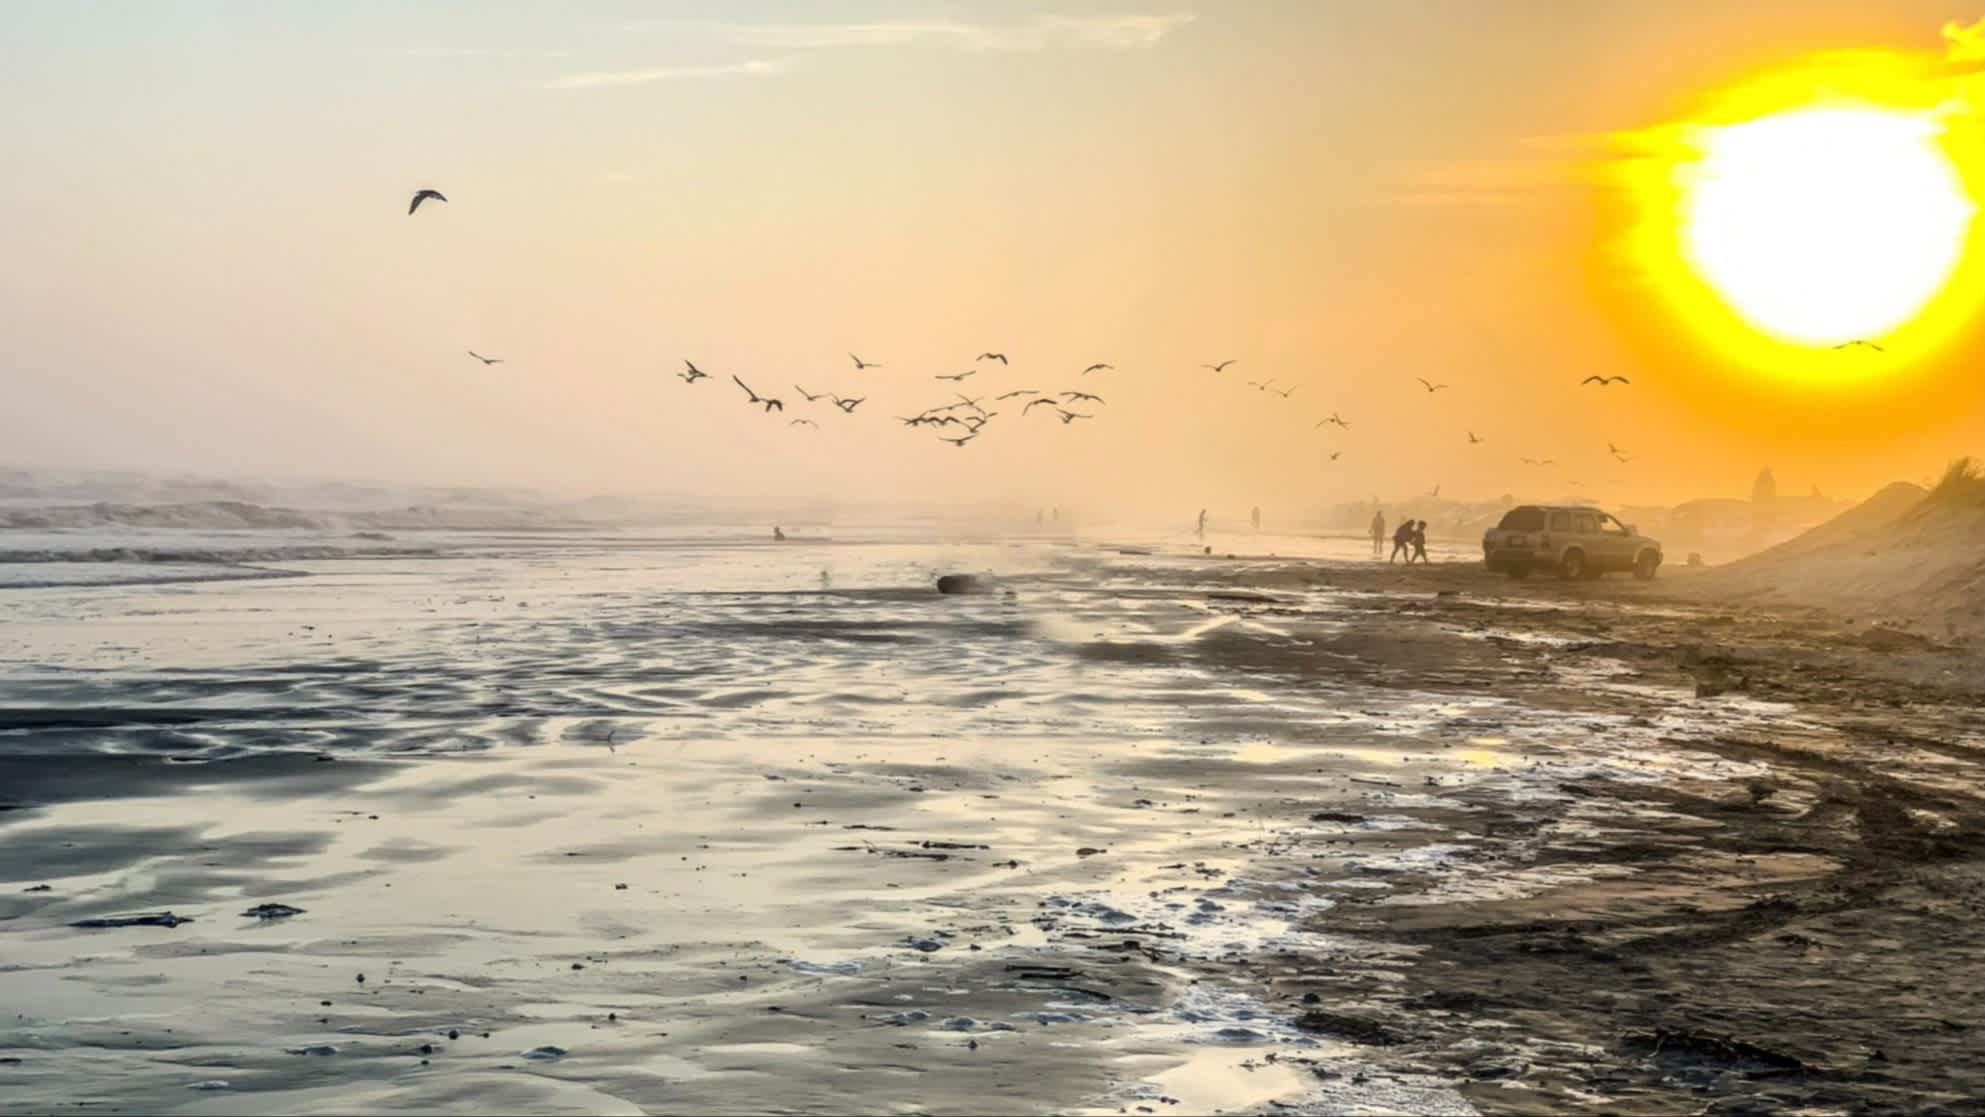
<point x="1584" y="849"/>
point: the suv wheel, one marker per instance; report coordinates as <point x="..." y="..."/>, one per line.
<point x="1645" y="565"/>
<point x="1572" y="565"/>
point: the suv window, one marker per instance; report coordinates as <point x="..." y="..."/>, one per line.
<point x="1522" y="519"/>
<point x="1560" y="520"/>
<point x="1584" y="523"/>
<point x="1611" y="526"/>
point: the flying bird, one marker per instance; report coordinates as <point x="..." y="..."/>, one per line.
<point x="954" y="378"/>
<point x="1068" y="417"/>
<point x="1472" y="440"/>
<point x="1000" y="357"/>
<point x="1429" y="385"/>
<point x="1334" y="419"/>
<point x="422" y="196"/>
<point x="960" y="442"/>
<point x="770" y="405"/>
<point x="1098" y="368"/>
<point x="1221" y="367"/>
<point x="1072" y="397"/>
<point x="1285" y="393"/>
<point x="1602" y="381"/>
<point x="804" y="423"/>
<point x="848" y="405"/>
<point x="1436" y="492"/>
<point x="861" y="364"/>
<point x="1042" y="402"/>
<point x="811" y="396"/>
<point x="694" y="374"/>
<point x="1335" y="454"/>
<point x="1017" y="392"/>
<point x="1858" y="341"/>
<point x="485" y="360"/>
<point x="1537" y="461"/>
<point x="965" y="401"/>
<point x="1261" y="385"/>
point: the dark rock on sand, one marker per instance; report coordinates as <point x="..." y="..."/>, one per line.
<point x="271" y="911"/>
<point x="962" y="583"/>
<point x="547" y="1052"/>
<point x="40" y="888"/>
<point x="150" y="919"/>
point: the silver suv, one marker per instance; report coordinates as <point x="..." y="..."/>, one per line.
<point x="1573" y="540"/>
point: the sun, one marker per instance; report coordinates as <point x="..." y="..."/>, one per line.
<point x="1825" y="226"/>
<point x="1827" y="203"/>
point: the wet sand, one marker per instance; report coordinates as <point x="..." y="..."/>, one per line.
<point x="1147" y="833"/>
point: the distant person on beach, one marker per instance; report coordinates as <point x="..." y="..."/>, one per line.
<point x="1402" y="543"/>
<point x="778" y="536"/>
<point x="1378" y="534"/>
<point x="1419" y="542"/>
<point x="1256" y="517"/>
<point x="1202" y="523"/>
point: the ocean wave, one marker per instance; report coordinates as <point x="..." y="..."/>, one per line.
<point x="201" y="556"/>
<point x="237" y="515"/>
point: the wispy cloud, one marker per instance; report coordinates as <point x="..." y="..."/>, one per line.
<point x="1119" y="32"/>
<point x="593" y="78"/>
<point x="479" y="52"/>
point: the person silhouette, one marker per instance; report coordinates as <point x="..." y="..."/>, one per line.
<point x="1378" y="533"/>
<point x="1202" y="523"/>
<point x="1255" y="517"/>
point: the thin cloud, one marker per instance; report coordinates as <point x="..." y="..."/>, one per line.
<point x="1119" y="32"/>
<point x="596" y="78"/>
<point x="478" y="52"/>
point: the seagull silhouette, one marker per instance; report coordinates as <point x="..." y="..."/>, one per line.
<point x="694" y="374"/>
<point x="1072" y="397"/>
<point x="960" y="442"/>
<point x="1042" y="402"/>
<point x="1602" y="381"/>
<point x="966" y="401"/>
<point x="485" y="360"/>
<point x="1221" y="367"/>
<point x="1335" y="454"/>
<point x="1538" y="461"/>
<point x="804" y="423"/>
<point x="771" y="405"/>
<point x="1429" y="385"/>
<point x="1436" y="492"/>
<point x="1285" y="393"/>
<point x="1472" y="440"/>
<point x="1334" y="419"/>
<point x="1017" y="392"/>
<point x="1858" y="341"/>
<point x="422" y="196"/>
<point x="848" y="405"/>
<point x="1098" y="368"/>
<point x="1261" y="385"/>
<point x="861" y="364"/>
<point x="1068" y="417"/>
<point x="1000" y="357"/>
<point x="958" y="376"/>
<point x="811" y="396"/>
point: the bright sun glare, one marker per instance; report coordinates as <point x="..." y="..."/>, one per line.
<point x="1824" y="226"/>
<point x="1828" y="202"/>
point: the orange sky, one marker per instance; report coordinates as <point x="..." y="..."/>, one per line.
<point x="211" y="267"/>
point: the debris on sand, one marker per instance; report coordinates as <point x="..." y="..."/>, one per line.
<point x="271" y="911"/>
<point x="314" y="1049"/>
<point x="150" y="919"/>
<point x="1356" y="1029"/>
<point x="545" y="1053"/>
<point x="1692" y="1045"/>
<point x="40" y="888"/>
<point x="962" y="583"/>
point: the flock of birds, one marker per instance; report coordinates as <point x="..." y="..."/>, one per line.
<point x="970" y="415"/>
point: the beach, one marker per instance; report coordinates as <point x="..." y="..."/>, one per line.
<point x="620" y="822"/>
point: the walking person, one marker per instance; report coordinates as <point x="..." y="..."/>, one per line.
<point x="1402" y="543"/>
<point x="1202" y="523"/>
<point x="1419" y="542"/>
<point x="1378" y="533"/>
